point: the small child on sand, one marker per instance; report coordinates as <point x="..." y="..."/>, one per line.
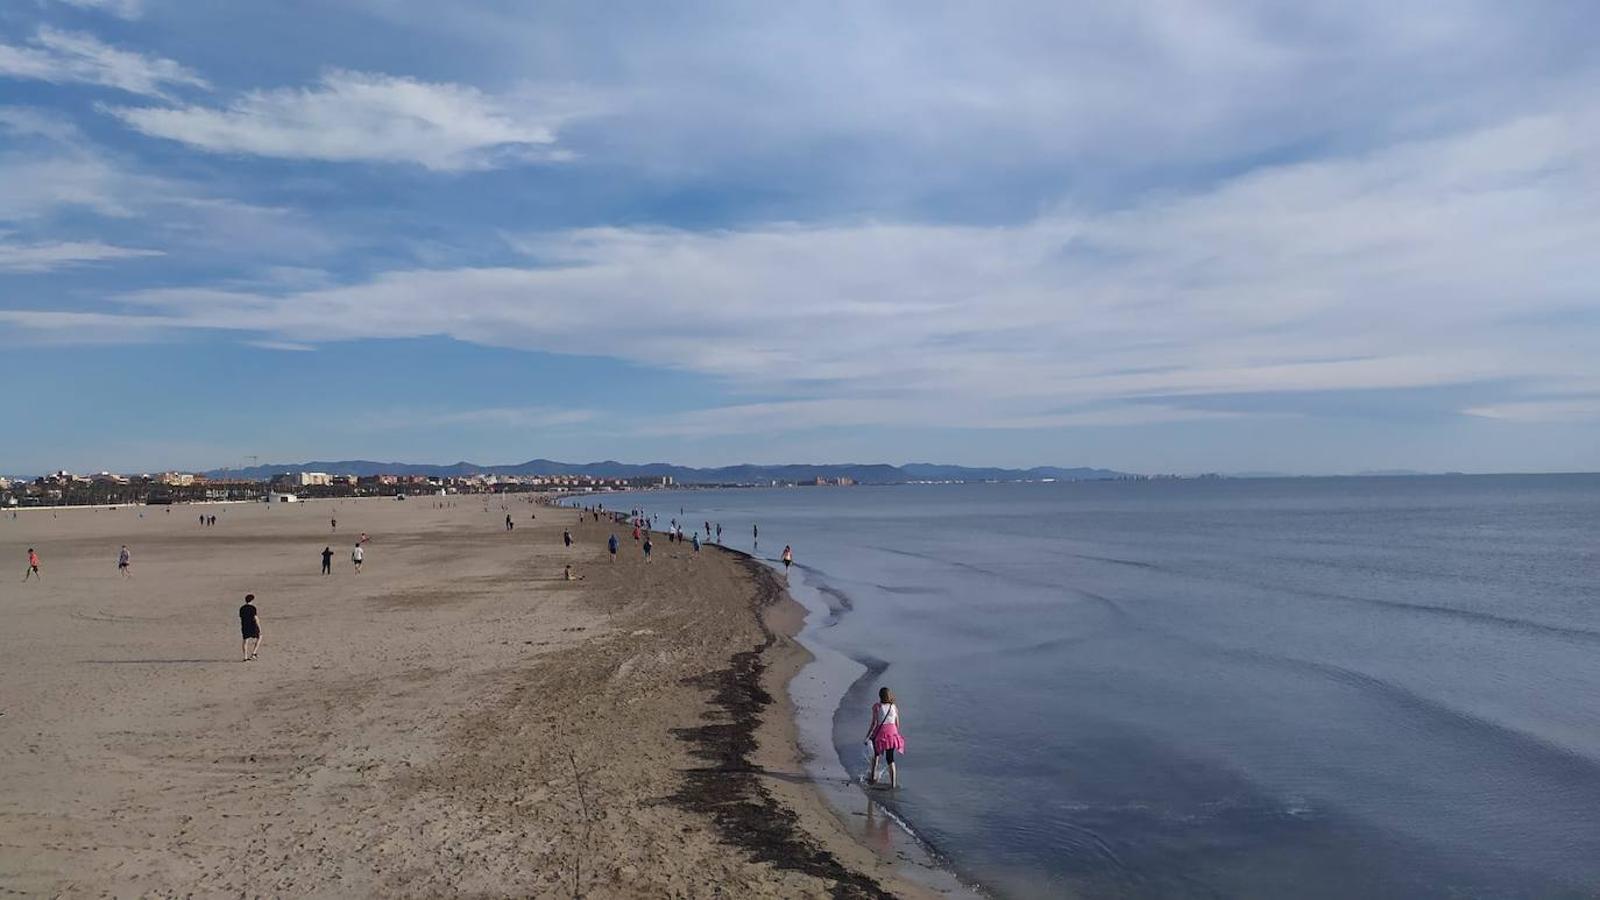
<point x="33" y="566"/>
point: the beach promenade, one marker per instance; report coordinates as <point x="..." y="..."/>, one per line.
<point x="457" y="719"/>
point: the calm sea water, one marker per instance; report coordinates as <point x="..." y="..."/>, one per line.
<point x="1355" y="687"/>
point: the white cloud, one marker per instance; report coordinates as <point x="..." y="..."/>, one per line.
<point x="1441" y="262"/>
<point x="67" y="57"/>
<point x="123" y="9"/>
<point x="45" y="257"/>
<point x="354" y="116"/>
<point x="33" y="186"/>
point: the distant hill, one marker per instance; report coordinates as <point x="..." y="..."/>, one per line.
<point x="742" y="474"/>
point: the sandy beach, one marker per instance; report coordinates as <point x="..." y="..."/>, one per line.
<point x="457" y="719"/>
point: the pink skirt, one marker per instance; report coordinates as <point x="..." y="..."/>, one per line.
<point x="888" y="738"/>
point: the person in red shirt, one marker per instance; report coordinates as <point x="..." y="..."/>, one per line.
<point x="33" y="566"/>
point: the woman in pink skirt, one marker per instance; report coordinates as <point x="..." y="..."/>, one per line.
<point x="885" y="736"/>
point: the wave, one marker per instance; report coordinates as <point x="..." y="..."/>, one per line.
<point x="1429" y="609"/>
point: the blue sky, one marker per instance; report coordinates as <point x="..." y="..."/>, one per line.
<point x="1170" y="236"/>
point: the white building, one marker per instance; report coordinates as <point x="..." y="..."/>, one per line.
<point x="275" y="497"/>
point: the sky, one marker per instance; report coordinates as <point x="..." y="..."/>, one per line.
<point x="1170" y="236"/>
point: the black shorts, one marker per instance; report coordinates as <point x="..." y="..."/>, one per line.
<point x="251" y="633"/>
<point x="888" y="754"/>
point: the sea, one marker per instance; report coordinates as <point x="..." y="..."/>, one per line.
<point x="1314" y="687"/>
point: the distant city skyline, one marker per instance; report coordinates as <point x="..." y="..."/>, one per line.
<point x="1178" y="237"/>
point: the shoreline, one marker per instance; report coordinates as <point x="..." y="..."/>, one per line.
<point x="892" y="836"/>
<point x="802" y="759"/>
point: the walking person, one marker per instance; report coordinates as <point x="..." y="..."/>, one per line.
<point x="357" y="556"/>
<point x="647" y="547"/>
<point x="125" y="562"/>
<point x="611" y="545"/>
<point x="250" y="627"/>
<point x="885" y="736"/>
<point x="327" y="560"/>
<point x="697" y="542"/>
<point x="788" y="559"/>
<point x="719" y="532"/>
<point x="566" y="537"/>
<point x="33" y="566"/>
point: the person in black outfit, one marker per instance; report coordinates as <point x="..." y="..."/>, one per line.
<point x="327" y="560"/>
<point x="250" y="627"/>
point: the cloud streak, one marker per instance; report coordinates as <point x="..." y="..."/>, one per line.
<point x="122" y="9"/>
<point x="68" y="57"/>
<point x="363" y="117"/>
<point x="45" y="257"/>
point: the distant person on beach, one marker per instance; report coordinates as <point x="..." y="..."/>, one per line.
<point x="327" y="560"/>
<point x="570" y="576"/>
<point x="611" y="545"/>
<point x="363" y="539"/>
<point x="566" y="537"/>
<point x="33" y="566"/>
<point x="333" y="524"/>
<point x="788" y="559"/>
<point x="697" y="542"/>
<point x="719" y="532"/>
<point x="250" y="627"/>
<point x="647" y="548"/>
<point x="358" y="556"/>
<point x="885" y="736"/>
<point x="125" y="562"/>
<point x="509" y="524"/>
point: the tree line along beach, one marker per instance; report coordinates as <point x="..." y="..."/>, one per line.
<point x="460" y="719"/>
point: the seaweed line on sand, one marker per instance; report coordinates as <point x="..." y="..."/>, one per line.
<point x="729" y="790"/>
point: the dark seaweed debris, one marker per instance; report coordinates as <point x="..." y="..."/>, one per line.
<point x="729" y="789"/>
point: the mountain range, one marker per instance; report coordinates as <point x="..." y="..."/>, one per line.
<point x="741" y="474"/>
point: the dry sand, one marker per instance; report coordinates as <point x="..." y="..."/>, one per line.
<point x="455" y="720"/>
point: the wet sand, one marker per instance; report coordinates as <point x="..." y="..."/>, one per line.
<point x="457" y="719"/>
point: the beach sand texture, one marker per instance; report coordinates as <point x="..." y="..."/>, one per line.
<point x="457" y="719"/>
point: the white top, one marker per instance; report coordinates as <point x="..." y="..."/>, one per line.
<point x="890" y="718"/>
<point x="356" y="554"/>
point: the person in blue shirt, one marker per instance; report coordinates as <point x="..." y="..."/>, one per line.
<point x="612" y="546"/>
